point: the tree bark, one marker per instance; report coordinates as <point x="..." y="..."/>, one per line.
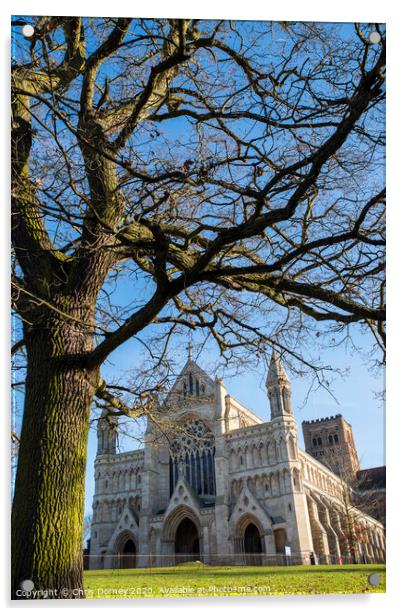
<point x="48" y="507"/>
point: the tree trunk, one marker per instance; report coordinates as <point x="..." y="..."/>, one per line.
<point x="48" y="507"/>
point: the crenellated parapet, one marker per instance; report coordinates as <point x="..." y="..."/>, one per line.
<point x="330" y="440"/>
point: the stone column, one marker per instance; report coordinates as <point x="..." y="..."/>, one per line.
<point x="268" y="539"/>
<point x="221" y="509"/>
<point x="157" y="555"/>
<point x="221" y="530"/>
<point x="205" y="556"/>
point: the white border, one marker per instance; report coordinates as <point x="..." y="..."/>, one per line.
<point x="339" y="10"/>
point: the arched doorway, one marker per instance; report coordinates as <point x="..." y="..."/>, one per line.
<point x="187" y="542"/>
<point x="252" y="545"/>
<point x="127" y="555"/>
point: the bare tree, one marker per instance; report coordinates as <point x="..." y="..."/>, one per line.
<point x="227" y="176"/>
<point x="355" y="504"/>
<point x="368" y="494"/>
<point x="356" y="497"/>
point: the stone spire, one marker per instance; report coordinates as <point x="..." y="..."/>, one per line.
<point x="278" y="387"/>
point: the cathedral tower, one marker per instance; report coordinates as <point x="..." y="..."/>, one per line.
<point x="107" y="433"/>
<point x="279" y="391"/>
<point x="330" y="440"/>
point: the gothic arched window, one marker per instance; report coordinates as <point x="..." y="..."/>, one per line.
<point x="193" y="453"/>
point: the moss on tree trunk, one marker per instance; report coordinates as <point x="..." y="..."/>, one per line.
<point x="48" y="507"/>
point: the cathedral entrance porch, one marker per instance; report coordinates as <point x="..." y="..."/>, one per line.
<point x="252" y="545"/>
<point x="126" y="552"/>
<point x="187" y="542"/>
<point x="181" y="537"/>
<point x="249" y="542"/>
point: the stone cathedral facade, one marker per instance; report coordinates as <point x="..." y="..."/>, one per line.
<point x="224" y="488"/>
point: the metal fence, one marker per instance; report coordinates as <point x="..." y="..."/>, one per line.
<point x="132" y="561"/>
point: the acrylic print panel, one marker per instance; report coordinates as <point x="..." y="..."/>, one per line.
<point x="192" y="201"/>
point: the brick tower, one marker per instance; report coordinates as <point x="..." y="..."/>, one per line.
<point x="330" y="441"/>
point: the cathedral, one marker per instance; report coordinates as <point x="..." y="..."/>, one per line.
<point x="224" y="487"/>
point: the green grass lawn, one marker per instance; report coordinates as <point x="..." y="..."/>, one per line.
<point x="198" y="580"/>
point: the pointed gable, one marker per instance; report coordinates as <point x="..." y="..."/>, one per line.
<point x="183" y="494"/>
<point x="127" y="522"/>
<point x="248" y="506"/>
<point x="192" y="383"/>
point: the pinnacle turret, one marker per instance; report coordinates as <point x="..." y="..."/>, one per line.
<point x="276" y="372"/>
<point x="107" y="433"/>
<point x="278" y="387"/>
